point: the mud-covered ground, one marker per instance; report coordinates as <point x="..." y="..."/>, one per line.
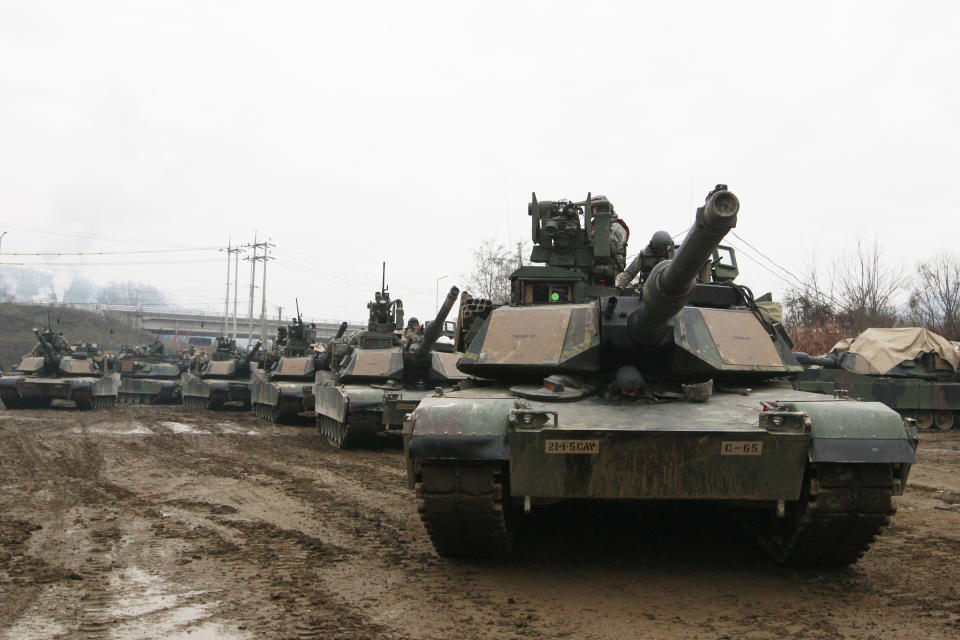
<point x="163" y="522"/>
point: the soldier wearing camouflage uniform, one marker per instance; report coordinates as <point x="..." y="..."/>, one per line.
<point x="659" y="248"/>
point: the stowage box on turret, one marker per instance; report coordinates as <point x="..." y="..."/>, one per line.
<point x="54" y="371"/>
<point x="607" y="394"/>
<point x="225" y="377"/>
<point x="374" y="377"/>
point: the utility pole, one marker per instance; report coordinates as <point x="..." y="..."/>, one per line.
<point x="256" y="246"/>
<point x="226" y="304"/>
<point x="263" y="292"/>
<point x="236" y="264"/>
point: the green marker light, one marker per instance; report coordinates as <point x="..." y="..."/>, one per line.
<point x="555" y="297"/>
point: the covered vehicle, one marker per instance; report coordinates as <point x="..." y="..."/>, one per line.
<point x="910" y="369"/>
<point x="664" y="395"/>
<point x="225" y="377"/>
<point x="374" y="377"/>
<point x="54" y="371"/>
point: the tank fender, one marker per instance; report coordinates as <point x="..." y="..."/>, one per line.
<point x="337" y="402"/>
<point x="851" y="431"/>
<point x="81" y="384"/>
<point x="445" y="428"/>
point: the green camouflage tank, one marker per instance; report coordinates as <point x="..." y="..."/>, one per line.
<point x="225" y="377"/>
<point x="148" y="375"/>
<point x="373" y="378"/>
<point x="285" y="390"/>
<point x="665" y="394"/>
<point x="54" y="371"/>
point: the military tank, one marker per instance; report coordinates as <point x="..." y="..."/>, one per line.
<point x="374" y="377"/>
<point x="54" y="371"/>
<point x="910" y="369"/>
<point x="660" y="395"/>
<point x="148" y="375"/>
<point x="285" y="390"/>
<point x="224" y="377"/>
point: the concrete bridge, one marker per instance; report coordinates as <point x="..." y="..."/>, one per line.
<point x="167" y="321"/>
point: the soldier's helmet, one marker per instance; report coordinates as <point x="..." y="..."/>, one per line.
<point x="413" y="322"/>
<point x="661" y="242"/>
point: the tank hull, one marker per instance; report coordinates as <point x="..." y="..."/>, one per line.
<point x="353" y="415"/>
<point x="479" y="457"/>
<point x="134" y="390"/>
<point x="213" y="393"/>
<point x="933" y="404"/>
<point x="93" y="392"/>
<point x="281" y="401"/>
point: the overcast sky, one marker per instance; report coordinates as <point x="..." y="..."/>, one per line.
<point x="355" y="132"/>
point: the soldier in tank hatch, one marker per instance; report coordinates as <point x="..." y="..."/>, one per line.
<point x="660" y="248"/>
<point x="413" y="332"/>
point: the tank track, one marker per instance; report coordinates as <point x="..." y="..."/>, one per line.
<point x="462" y="508"/>
<point x="361" y="429"/>
<point x="843" y="509"/>
<point x="199" y="402"/>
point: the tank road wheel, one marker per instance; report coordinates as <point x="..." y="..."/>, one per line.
<point x="358" y="432"/>
<point x="83" y="401"/>
<point x="11" y="400"/>
<point x="463" y="509"/>
<point x="924" y="419"/>
<point x="843" y="508"/>
<point x="943" y="420"/>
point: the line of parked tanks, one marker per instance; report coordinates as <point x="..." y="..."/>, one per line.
<point x="685" y="388"/>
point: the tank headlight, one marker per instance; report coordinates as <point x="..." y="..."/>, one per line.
<point x="795" y="421"/>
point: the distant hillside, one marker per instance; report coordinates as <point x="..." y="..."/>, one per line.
<point x="17" y="321"/>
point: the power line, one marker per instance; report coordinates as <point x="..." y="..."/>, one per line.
<point x="108" y="253"/>
<point x="102" y="264"/>
<point x="86" y="236"/>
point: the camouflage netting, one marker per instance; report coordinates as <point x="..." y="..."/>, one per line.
<point x="880" y="350"/>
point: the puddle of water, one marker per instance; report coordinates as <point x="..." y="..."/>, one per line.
<point x="121" y="429"/>
<point x="34" y="627"/>
<point x="179" y="427"/>
<point x="147" y="606"/>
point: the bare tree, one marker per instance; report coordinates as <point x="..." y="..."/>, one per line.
<point x="130" y="293"/>
<point x="935" y="295"/>
<point x="868" y="286"/>
<point x="493" y="262"/>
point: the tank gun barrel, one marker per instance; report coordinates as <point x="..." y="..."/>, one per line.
<point x="248" y="356"/>
<point x="49" y="353"/>
<point x="828" y="361"/>
<point x="671" y="282"/>
<point x="435" y="330"/>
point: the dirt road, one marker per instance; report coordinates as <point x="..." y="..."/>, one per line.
<point x="163" y="522"/>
